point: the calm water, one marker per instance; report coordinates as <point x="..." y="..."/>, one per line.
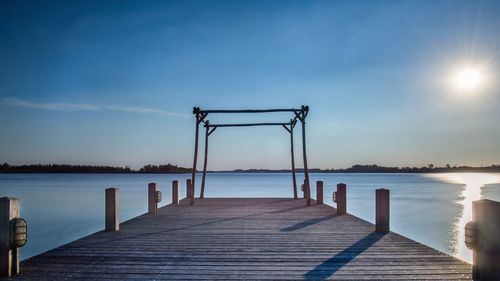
<point x="431" y="209"/>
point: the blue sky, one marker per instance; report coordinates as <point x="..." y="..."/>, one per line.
<point x="114" y="82"/>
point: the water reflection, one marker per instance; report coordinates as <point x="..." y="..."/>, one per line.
<point x="472" y="184"/>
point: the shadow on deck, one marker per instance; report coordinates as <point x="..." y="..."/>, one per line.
<point x="244" y="238"/>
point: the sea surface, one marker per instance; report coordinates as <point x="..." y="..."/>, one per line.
<point x="429" y="208"/>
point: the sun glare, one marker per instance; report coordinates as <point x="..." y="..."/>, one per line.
<point x="472" y="185"/>
<point x="468" y="79"/>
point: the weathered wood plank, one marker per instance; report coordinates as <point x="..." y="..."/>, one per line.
<point x="250" y="239"/>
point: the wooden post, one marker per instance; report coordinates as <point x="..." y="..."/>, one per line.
<point x="307" y="190"/>
<point x="202" y="190"/>
<point x="200" y="116"/>
<point x="319" y="192"/>
<point x="9" y="258"/>
<point x="112" y="222"/>
<point x="341" y="199"/>
<point x="190" y="191"/>
<point x="193" y="172"/>
<point x="306" y="170"/>
<point x="294" y="178"/>
<point x="175" y="192"/>
<point x="303" y="188"/>
<point x="188" y="183"/>
<point x="152" y="202"/>
<point x="382" y="210"/>
<point x="302" y="117"/>
<point x="486" y="253"/>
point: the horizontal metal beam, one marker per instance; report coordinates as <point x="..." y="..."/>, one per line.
<point x="245" y="125"/>
<point x="248" y="110"/>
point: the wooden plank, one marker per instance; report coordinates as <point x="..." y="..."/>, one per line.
<point x="244" y="238"/>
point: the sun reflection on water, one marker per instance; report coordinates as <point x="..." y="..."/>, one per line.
<point x="472" y="184"/>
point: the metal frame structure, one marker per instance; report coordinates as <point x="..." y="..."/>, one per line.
<point x="299" y="115"/>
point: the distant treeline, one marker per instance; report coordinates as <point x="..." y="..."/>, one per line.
<point x="169" y="168"/>
<point x="64" y="168"/>
<point x="380" y="169"/>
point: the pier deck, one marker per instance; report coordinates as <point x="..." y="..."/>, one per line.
<point x="244" y="239"/>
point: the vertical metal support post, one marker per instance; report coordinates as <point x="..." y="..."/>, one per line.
<point x="382" y="210"/>
<point x="152" y="202"/>
<point x="293" y="161"/>
<point x="202" y="191"/>
<point x="341" y="199"/>
<point x="175" y="192"/>
<point x="486" y="247"/>
<point x="319" y="192"/>
<point x="112" y="221"/>
<point x="9" y="258"/>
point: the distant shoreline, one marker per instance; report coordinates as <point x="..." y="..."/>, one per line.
<point x="232" y="172"/>
<point x="173" y="169"/>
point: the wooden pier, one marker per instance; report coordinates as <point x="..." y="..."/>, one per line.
<point x="244" y="239"/>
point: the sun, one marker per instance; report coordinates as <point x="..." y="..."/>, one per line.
<point x="468" y="79"/>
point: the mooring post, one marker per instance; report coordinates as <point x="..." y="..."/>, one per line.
<point x="482" y="235"/>
<point x="382" y="210"/>
<point x="307" y="188"/>
<point x="175" y="192"/>
<point x="319" y="192"/>
<point x="341" y="199"/>
<point x="188" y="183"/>
<point x="112" y="222"/>
<point x="303" y="188"/>
<point x="9" y="258"/>
<point x="152" y="202"/>
<point x="190" y="191"/>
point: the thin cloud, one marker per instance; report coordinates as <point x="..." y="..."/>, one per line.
<point x="57" y="106"/>
<point x="63" y="106"/>
<point x="139" y="109"/>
